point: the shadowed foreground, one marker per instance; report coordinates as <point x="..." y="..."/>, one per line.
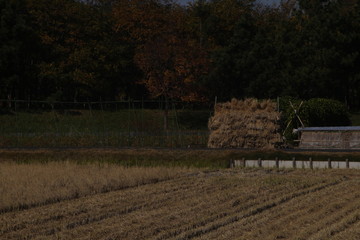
<point x="226" y="204"/>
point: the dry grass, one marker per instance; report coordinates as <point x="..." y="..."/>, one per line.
<point x="244" y="124"/>
<point x="227" y="204"/>
<point x="26" y="185"/>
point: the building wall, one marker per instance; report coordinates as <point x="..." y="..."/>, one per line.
<point x="330" y="140"/>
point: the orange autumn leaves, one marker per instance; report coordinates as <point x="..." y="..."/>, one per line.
<point x="172" y="63"/>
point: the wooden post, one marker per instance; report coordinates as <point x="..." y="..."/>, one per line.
<point x="232" y="163"/>
<point x="329" y="163"/>
<point x="294" y="162"/>
<point x="259" y="162"/>
<point x="347" y="163"/>
<point x="277" y="162"/>
<point x="90" y="109"/>
<point x="311" y="163"/>
<point x="243" y="162"/>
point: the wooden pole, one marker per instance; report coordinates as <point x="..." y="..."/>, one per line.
<point x="277" y="162"/>
<point x="329" y="163"/>
<point x="243" y="162"/>
<point x="259" y="162"/>
<point x="294" y="162"/>
<point x="232" y="163"/>
<point x="347" y="163"/>
<point x="311" y="163"/>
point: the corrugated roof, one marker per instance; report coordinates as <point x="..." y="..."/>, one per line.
<point x="347" y="128"/>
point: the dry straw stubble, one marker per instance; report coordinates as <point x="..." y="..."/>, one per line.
<point x="26" y="185"/>
<point x="248" y="123"/>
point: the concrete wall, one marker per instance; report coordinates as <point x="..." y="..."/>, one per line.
<point x="330" y="140"/>
<point x="294" y="164"/>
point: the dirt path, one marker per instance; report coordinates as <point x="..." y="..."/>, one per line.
<point x="241" y="204"/>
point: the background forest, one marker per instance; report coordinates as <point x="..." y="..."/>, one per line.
<point x="68" y="50"/>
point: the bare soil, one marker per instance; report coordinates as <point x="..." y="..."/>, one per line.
<point x="226" y="204"/>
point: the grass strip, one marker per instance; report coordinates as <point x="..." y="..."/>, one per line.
<point x="144" y="157"/>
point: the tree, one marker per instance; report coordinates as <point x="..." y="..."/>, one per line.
<point x="213" y="22"/>
<point x="306" y="50"/>
<point x="18" y="46"/>
<point x="331" y="33"/>
<point x="84" y="58"/>
<point x="230" y="73"/>
<point x="170" y="61"/>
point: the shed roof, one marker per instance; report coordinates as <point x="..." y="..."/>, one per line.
<point x="317" y="129"/>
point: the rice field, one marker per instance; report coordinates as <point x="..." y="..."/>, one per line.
<point x="23" y="186"/>
<point x="196" y="204"/>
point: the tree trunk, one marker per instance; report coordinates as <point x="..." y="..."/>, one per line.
<point x="166" y="112"/>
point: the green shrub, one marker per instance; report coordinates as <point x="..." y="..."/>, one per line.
<point x="316" y="112"/>
<point x="319" y="112"/>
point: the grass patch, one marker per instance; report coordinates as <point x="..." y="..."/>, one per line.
<point x="355" y="118"/>
<point x="124" y="157"/>
<point x="85" y="128"/>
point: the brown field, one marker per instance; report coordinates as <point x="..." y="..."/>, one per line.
<point x="24" y="186"/>
<point x="190" y="204"/>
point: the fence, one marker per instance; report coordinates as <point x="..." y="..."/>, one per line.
<point x="16" y="105"/>
<point x="132" y="123"/>
<point x="310" y="163"/>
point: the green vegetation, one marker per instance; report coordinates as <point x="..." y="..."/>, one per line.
<point x="315" y="112"/>
<point x="318" y="112"/>
<point x="355" y="118"/>
<point x="122" y="128"/>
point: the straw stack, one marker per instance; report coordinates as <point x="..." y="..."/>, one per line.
<point x="248" y="123"/>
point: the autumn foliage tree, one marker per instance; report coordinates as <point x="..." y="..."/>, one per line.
<point x="170" y="61"/>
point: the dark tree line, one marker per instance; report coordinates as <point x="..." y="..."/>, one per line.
<point x="116" y="49"/>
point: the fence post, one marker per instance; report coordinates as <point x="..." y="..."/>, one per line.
<point x="90" y="108"/>
<point x="232" y="163"/>
<point x="259" y="162"/>
<point x="311" y="163"/>
<point x="277" y="162"/>
<point x="294" y="162"/>
<point x="128" y="122"/>
<point x="347" y="163"/>
<point x="329" y="163"/>
<point x="243" y="162"/>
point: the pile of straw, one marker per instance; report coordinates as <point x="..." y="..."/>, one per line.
<point x="248" y="123"/>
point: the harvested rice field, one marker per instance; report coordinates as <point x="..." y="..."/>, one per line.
<point x="203" y="204"/>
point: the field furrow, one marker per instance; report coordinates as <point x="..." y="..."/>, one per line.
<point x="298" y="215"/>
<point x="351" y="232"/>
<point x="253" y="211"/>
<point x="95" y="208"/>
<point x="227" y="204"/>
